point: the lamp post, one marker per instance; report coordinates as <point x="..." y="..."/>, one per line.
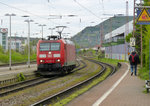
<point x="42" y="25"/>
<point x="28" y="21"/>
<point x="10" y="15"/>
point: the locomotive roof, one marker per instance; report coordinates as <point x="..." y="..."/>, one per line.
<point x="66" y="41"/>
<point x="69" y="42"/>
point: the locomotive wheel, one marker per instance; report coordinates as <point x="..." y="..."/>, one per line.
<point x="65" y="71"/>
<point x="69" y="69"/>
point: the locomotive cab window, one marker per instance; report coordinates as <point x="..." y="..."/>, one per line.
<point x="49" y="46"/>
<point x="55" y="46"/>
<point x="44" y="46"/>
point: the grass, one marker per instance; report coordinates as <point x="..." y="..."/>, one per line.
<point x="110" y="61"/>
<point x="1" y="63"/>
<point x="143" y="73"/>
<point x="16" y="57"/>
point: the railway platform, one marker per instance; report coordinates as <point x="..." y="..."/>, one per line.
<point x="121" y="89"/>
<point x="6" y="74"/>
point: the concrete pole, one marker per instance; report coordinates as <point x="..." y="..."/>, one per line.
<point x="141" y="48"/>
<point x="141" y="42"/>
<point x="42" y="31"/>
<point x="134" y="18"/>
<point x="28" y="44"/>
<point x="42" y="25"/>
<point x="28" y="21"/>
<point x="10" y="38"/>
<point x="10" y="45"/>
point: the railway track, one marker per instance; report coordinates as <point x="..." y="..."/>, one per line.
<point x="49" y="100"/>
<point x="22" y="85"/>
<point x="30" y="83"/>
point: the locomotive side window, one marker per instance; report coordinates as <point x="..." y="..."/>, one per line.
<point x="55" y="46"/>
<point x="44" y="46"/>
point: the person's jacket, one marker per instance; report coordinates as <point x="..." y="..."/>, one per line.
<point x="136" y="59"/>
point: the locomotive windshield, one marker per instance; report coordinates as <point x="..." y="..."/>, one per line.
<point x="55" y="46"/>
<point x="44" y="46"/>
<point x="49" y="46"/>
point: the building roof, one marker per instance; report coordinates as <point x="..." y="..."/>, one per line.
<point x="120" y="30"/>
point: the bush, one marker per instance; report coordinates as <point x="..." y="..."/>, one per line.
<point x="16" y="57"/>
<point x="4" y="58"/>
<point x="1" y="49"/>
<point x="33" y="57"/>
<point x="143" y="73"/>
<point x="20" y="77"/>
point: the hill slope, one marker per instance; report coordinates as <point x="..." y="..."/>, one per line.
<point x="90" y="36"/>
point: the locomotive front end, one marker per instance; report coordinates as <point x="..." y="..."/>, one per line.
<point x="49" y="56"/>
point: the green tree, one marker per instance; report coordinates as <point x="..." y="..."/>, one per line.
<point x="1" y="49"/>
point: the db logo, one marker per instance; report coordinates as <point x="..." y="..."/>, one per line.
<point x="4" y="30"/>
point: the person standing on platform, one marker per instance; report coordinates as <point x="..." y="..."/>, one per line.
<point x="134" y="60"/>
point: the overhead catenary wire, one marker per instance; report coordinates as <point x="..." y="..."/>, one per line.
<point x="10" y="6"/>
<point x="21" y="10"/>
<point x="87" y="9"/>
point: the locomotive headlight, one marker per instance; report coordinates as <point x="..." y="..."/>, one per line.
<point x="42" y="61"/>
<point x="49" y="53"/>
<point x="58" y="60"/>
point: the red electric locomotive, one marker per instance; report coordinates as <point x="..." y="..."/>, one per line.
<point x="55" y="56"/>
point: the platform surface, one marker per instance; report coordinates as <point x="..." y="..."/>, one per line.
<point x="128" y="92"/>
<point x="5" y="73"/>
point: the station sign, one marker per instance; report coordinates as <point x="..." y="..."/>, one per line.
<point x="132" y="41"/>
<point x="143" y="16"/>
<point x="3" y="30"/>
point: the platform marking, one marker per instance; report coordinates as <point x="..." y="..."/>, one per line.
<point x="102" y="98"/>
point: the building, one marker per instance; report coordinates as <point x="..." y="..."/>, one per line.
<point x="4" y="38"/>
<point x="115" y="45"/>
<point x="16" y="44"/>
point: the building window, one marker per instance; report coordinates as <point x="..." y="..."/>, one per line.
<point x="4" y="34"/>
<point x="17" y="45"/>
<point x="4" y="38"/>
<point x="3" y="42"/>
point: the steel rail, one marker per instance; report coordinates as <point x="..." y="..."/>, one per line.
<point x="111" y="66"/>
<point x="84" y="65"/>
<point x="4" y="93"/>
<point x="19" y="83"/>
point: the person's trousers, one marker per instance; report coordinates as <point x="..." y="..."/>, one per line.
<point x="134" y="67"/>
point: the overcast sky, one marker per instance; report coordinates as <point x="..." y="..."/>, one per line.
<point x="88" y="13"/>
